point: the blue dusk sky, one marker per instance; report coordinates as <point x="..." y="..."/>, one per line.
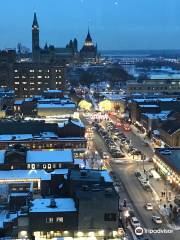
<point x="114" y="24"/>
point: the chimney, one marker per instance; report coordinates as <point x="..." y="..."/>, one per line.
<point x="52" y="203"/>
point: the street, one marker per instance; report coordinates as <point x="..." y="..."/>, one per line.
<point x="131" y="188"/>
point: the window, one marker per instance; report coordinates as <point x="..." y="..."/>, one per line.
<point x="44" y="166"/>
<point x="33" y="166"/>
<point x="110" y="217"/>
<point x="59" y="219"/>
<point x="49" y="220"/>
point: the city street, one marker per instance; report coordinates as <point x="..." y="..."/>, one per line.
<point x="131" y="188"/>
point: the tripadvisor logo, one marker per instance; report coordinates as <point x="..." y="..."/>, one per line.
<point x="139" y="231"/>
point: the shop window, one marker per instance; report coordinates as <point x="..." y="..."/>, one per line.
<point x="49" y="220"/>
<point x="59" y="219"/>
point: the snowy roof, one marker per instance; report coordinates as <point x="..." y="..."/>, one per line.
<point x="59" y="100"/>
<point x="154" y="99"/>
<point x="19" y="194"/>
<point x="58" y="105"/>
<point x="162" y="115"/>
<point x="77" y="123"/>
<point x="106" y="176"/>
<point x="29" y="174"/>
<point x="4" y="218"/>
<point x="47" y="156"/>
<point x="2" y="153"/>
<point x="18" y="102"/>
<point x="62" y="205"/>
<point x="49" y="135"/>
<point x="8" y="137"/>
<point x="53" y="91"/>
<point x="149" y="106"/>
<point x="114" y="97"/>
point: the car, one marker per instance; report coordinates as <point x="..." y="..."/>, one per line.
<point x="141" y="178"/>
<point x="144" y="182"/>
<point x="105" y="155"/>
<point x="156" y="219"/>
<point x="135" y="222"/>
<point x="147" y="187"/>
<point x="137" y="174"/>
<point x="148" y="206"/>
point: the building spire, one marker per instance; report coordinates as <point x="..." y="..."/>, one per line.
<point x="88" y="38"/>
<point x="35" y="22"/>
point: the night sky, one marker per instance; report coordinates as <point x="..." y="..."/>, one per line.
<point x="114" y="24"/>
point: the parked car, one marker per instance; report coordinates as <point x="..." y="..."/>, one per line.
<point x="148" y="206"/>
<point x="156" y="219"/>
<point x="105" y="155"/>
<point x="137" y="174"/>
<point x="135" y="222"/>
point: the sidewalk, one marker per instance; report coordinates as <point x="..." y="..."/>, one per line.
<point x="159" y="186"/>
<point x="142" y="136"/>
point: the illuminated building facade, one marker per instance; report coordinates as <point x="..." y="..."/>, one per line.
<point x="167" y="163"/>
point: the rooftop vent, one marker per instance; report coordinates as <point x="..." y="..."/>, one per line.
<point x="52" y="203"/>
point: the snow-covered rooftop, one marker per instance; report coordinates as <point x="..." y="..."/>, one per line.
<point x="141" y="100"/>
<point x="149" y="106"/>
<point x="77" y="123"/>
<point x="53" y="91"/>
<point x="47" y="156"/>
<point x="2" y="153"/>
<point x="30" y="174"/>
<point x="58" y="105"/>
<point x="162" y="115"/>
<point x="8" y="137"/>
<point x="106" y="176"/>
<point x="62" y="205"/>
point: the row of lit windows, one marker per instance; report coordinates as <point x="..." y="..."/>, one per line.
<point x="44" y="166"/>
<point x="40" y="70"/>
<point x="52" y="220"/>
<point x="32" y="83"/>
<point x="31" y="89"/>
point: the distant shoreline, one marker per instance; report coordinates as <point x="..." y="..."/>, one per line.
<point x="140" y="53"/>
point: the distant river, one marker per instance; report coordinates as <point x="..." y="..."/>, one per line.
<point x="157" y="73"/>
